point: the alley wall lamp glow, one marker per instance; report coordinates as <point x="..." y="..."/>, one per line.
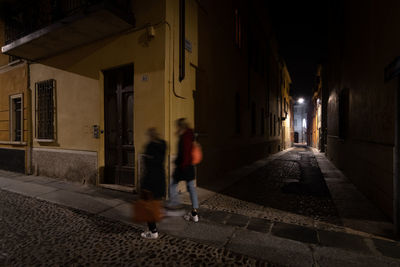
<point x="300" y="101"/>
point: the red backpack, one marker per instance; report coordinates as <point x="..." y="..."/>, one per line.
<point x="197" y="153"/>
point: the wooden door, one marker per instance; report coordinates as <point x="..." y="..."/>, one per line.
<point x="118" y="116"/>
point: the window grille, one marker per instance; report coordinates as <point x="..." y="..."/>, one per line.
<point x="45" y="110"/>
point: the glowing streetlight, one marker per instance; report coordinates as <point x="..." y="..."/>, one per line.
<point x="300" y="101"/>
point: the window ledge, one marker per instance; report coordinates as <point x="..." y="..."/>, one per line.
<point x="44" y="140"/>
<point x="13" y="143"/>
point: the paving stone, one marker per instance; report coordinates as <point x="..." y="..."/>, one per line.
<point x="388" y="248"/>
<point x="38" y="179"/>
<point x="283" y="252"/>
<point x="213" y="215"/>
<point x="237" y="220"/>
<point x="259" y="225"/>
<point x="342" y="240"/>
<point x="295" y="232"/>
<point x="121" y="213"/>
<point x="212" y="234"/>
<point x="5" y="182"/>
<point x="333" y="257"/>
<point x="74" y="187"/>
<point x="39" y="233"/>
<point x="29" y="189"/>
<point x="80" y="201"/>
<point x="268" y="186"/>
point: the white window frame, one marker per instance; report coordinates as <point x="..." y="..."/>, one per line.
<point x="12" y="118"/>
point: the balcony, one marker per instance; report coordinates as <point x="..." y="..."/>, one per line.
<point x="36" y="30"/>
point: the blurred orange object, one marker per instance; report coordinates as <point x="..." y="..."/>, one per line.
<point x="197" y="153"/>
<point x="147" y="211"/>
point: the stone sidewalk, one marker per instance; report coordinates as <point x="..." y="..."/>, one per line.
<point x="355" y="210"/>
<point x="247" y="230"/>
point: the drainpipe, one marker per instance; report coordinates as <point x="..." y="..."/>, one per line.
<point x="393" y="71"/>
<point x="29" y="119"/>
<point x="396" y="162"/>
<point x="182" y="40"/>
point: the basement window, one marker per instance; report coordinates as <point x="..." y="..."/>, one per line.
<point x="45" y="110"/>
<point x="16" y="118"/>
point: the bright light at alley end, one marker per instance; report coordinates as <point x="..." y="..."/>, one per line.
<point x="300" y="101"/>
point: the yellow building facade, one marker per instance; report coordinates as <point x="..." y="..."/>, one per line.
<point x="316" y="112"/>
<point x="99" y="76"/>
<point x="80" y="84"/>
<point x="14" y="113"/>
<point x="287" y="110"/>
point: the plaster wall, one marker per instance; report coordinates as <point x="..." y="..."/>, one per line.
<point x="3" y="58"/>
<point x="225" y="76"/>
<point x="366" y="43"/>
<point x="80" y="85"/>
<point x="13" y="81"/>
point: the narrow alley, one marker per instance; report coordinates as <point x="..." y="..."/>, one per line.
<point x="290" y="183"/>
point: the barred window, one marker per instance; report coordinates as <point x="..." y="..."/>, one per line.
<point x="45" y="110"/>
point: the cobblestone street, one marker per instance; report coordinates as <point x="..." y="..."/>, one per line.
<point x="279" y="212"/>
<point x="291" y="183"/>
<point x="35" y="232"/>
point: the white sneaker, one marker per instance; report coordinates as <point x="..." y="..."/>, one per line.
<point x="190" y="217"/>
<point x="149" y="235"/>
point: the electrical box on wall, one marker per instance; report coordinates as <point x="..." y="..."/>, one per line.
<point x="96" y="131"/>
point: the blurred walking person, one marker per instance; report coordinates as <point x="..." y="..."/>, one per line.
<point x="184" y="169"/>
<point x="154" y="179"/>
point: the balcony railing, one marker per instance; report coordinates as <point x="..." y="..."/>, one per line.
<point x="34" y="15"/>
<point x="39" y="29"/>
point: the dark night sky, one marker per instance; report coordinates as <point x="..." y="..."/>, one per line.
<point x="301" y="29"/>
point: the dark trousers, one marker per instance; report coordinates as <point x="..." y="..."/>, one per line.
<point x="152" y="227"/>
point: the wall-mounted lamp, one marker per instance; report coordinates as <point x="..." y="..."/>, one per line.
<point x="151" y="32"/>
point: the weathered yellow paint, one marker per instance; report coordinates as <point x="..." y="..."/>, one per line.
<point x="177" y="107"/>
<point x="4" y="136"/>
<point x="3" y="58"/>
<point x="4" y="115"/>
<point x="101" y="145"/>
<point x="77" y="109"/>
<point x="4" y="125"/>
<point x="287" y="126"/>
<point x="80" y="82"/>
<point x="13" y="80"/>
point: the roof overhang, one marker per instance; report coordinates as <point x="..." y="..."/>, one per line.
<point x="96" y="23"/>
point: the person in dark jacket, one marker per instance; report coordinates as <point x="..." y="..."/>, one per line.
<point x="154" y="178"/>
<point x="184" y="169"/>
